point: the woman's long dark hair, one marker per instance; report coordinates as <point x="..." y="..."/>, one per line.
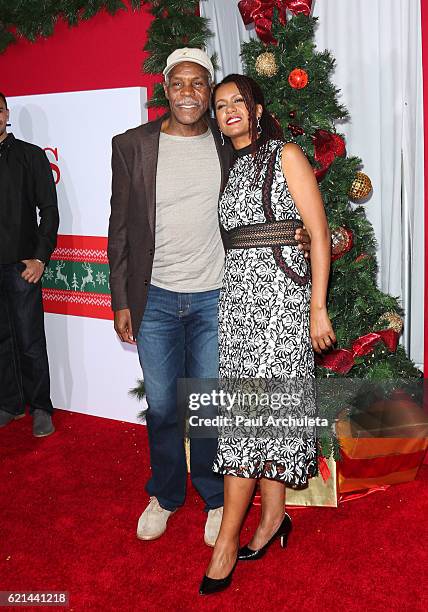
<point x="252" y="94"/>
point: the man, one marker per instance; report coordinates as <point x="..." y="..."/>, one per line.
<point x="166" y="262"/>
<point x="26" y="184"/>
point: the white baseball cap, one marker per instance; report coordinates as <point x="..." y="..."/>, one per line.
<point x="197" y="56"/>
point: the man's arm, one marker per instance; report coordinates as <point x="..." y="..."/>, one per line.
<point x="117" y="249"/>
<point x="47" y="203"/>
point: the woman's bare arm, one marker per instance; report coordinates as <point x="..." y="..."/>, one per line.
<point x="304" y="190"/>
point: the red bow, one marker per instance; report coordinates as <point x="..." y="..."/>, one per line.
<point x="327" y="147"/>
<point x="342" y="360"/>
<point x="261" y="13"/>
<point x="323" y="468"/>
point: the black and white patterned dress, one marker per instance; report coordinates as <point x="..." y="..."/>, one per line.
<point x="264" y="319"/>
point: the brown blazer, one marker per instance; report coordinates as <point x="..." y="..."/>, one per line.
<point x="131" y="234"/>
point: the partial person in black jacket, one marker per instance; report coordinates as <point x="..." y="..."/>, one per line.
<point x="26" y="184"/>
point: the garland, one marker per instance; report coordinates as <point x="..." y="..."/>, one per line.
<point x="33" y="18"/>
<point x="176" y="24"/>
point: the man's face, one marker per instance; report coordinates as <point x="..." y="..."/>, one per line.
<point x="4" y="119"/>
<point x="188" y="92"/>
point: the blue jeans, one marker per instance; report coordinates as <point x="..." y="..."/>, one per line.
<point x="24" y="367"/>
<point x="178" y="338"/>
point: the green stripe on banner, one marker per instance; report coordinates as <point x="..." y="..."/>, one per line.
<point x="77" y="276"/>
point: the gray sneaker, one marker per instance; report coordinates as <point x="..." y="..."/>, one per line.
<point x="152" y="523"/>
<point x="42" y="424"/>
<point x="7" y="417"/>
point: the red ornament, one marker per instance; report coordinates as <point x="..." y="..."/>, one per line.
<point x="292" y="114"/>
<point x="298" y="78"/>
<point x="342" y="241"/>
<point x="296" y="130"/>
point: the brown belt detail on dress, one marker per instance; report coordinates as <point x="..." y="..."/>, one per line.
<point x="258" y="235"/>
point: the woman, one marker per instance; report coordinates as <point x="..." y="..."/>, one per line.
<point x="270" y="321"/>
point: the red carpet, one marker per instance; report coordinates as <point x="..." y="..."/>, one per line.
<point x="69" y="509"/>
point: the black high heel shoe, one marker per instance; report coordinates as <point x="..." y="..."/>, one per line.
<point x="284" y="530"/>
<point x="215" y="585"/>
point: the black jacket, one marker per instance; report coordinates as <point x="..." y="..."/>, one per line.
<point x="26" y="184"/>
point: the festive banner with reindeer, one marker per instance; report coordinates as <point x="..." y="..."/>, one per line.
<point x="76" y="281"/>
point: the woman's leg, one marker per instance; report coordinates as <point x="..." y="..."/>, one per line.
<point x="273" y="509"/>
<point x="237" y="495"/>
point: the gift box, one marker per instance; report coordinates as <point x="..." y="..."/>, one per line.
<point x="321" y="490"/>
<point x="383" y="445"/>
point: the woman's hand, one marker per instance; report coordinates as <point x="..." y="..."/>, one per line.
<point x="322" y="334"/>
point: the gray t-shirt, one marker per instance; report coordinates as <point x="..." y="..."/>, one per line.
<point x="189" y="253"/>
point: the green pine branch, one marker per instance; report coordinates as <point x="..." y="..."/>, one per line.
<point x="33" y="18"/>
<point x="176" y="24"/>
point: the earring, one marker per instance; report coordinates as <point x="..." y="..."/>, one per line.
<point x="259" y="127"/>
<point x="222" y="138"/>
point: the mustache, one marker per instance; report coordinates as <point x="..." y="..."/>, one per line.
<point x="187" y="103"/>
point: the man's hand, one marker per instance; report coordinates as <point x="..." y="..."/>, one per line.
<point x="123" y="325"/>
<point x="33" y="271"/>
<point x="304" y="241"/>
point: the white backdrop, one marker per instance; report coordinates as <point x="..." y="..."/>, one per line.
<point x="91" y="370"/>
<point x="377" y="45"/>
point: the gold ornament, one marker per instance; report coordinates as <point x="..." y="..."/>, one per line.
<point x="266" y="64"/>
<point x="393" y="321"/>
<point x="361" y="187"/>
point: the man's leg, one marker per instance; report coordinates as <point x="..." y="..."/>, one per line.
<point x="202" y="362"/>
<point x="26" y="313"/>
<point x="11" y="397"/>
<point x="161" y="350"/>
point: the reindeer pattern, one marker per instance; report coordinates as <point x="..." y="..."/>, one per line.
<point x="59" y="275"/>
<point x="88" y="279"/>
<point x="79" y="281"/>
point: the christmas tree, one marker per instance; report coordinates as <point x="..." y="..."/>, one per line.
<point x="296" y="80"/>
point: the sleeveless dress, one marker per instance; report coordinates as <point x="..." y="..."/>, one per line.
<point x="264" y="318"/>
